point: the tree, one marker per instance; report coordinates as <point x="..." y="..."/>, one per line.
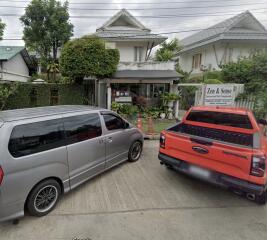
<point x="2" y="28"/>
<point x="88" y="56"/>
<point x="250" y="71"/>
<point x="6" y="90"/>
<point x="46" y="28"/>
<point x="168" y="50"/>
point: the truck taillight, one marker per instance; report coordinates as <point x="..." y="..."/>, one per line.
<point x="1" y="175"/>
<point x="258" y="166"/>
<point x="162" y="140"/>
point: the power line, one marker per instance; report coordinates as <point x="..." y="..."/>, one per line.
<point x="151" y="8"/>
<point x="140" y="35"/>
<point x="127" y="3"/>
<point x="150" y="16"/>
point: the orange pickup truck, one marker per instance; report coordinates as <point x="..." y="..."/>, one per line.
<point x="224" y="146"/>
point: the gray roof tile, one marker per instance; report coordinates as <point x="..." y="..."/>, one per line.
<point x="218" y="31"/>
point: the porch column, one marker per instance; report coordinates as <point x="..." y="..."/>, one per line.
<point x="174" y="89"/>
<point x="108" y="96"/>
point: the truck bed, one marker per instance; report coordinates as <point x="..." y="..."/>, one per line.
<point x="214" y="134"/>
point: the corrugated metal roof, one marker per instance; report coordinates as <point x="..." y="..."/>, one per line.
<point x="227" y="27"/>
<point x="147" y="74"/>
<point x="129" y="35"/>
<point x="8" y="52"/>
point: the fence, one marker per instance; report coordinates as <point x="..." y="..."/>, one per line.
<point x="248" y="103"/>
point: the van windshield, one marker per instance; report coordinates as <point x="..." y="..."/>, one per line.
<point x="220" y="118"/>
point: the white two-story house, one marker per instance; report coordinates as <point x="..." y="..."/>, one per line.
<point x="222" y="43"/>
<point x="137" y="77"/>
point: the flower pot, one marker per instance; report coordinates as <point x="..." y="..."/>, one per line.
<point x="170" y="103"/>
<point x="163" y="115"/>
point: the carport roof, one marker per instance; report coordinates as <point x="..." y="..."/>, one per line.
<point x="147" y="74"/>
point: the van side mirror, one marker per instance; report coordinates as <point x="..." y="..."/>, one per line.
<point x="262" y="121"/>
<point x="126" y="125"/>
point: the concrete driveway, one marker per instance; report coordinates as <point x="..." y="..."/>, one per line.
<point x="144" y="200"/>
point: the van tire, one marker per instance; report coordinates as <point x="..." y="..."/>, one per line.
<point x="135" y="151"/>
<point x="261" y="199"/>
<point x="42" y="190"/>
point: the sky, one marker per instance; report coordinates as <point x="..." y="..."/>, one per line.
<point x="160" y="16"/>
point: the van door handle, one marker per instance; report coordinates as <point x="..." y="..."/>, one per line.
<point x="202" y="142"/>
<point x="109" y="140"/>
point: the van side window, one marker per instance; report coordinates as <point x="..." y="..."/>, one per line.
<point x="81" y="128"/>
<point x="37" y="137"/>
<point x="113" y="122"/>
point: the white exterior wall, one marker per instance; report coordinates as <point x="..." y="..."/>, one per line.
<point x="223" y="51"/>
<point x="126" y="50"/>
<point x="15" y="69"/>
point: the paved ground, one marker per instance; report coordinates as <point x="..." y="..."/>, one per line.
<point x="144" y="200"/>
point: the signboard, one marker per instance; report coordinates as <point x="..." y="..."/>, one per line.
<point x="123" y="99"/>
<point x="219" y="95"/>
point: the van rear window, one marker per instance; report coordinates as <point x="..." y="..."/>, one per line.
<point x="37" y="137"/>
<point x="220" y="118"/>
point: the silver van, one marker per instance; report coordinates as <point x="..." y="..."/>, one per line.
<point x="48" y="151"/>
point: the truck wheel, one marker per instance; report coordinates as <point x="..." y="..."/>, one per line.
<point x="43" y="198"/>
<point x="135" y="151"/>
<point x="261" y="199"/>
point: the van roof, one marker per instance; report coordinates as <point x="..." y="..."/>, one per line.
<point x="26" y="113"/>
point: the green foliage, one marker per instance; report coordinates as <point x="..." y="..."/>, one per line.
<point x="167" y="97"/>
<point x="152" y="112"/>
<point x="187" y="97"/>
<point x="252" y="72"/>
<point x="168" y="50"/>
<point x="56" y="79"/>
<point x="88" y="56"/>
<point x="185" y="75"/>
<point x="213" y="75"/>
<point x="124" y="109"/>
<point x="212" y="81"/>
<point x="2" y="28"/>
<point x="69" y="94"/>
<point x="6" y="90"/>
<point x="260" y="109"/>
<point x="46" y="27"/>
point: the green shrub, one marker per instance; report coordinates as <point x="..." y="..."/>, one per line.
<point x="213" y="81"/>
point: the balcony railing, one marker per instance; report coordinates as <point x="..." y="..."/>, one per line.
<point x="146" y="66"/>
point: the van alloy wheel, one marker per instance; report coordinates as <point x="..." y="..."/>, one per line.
<point x="46" y="198"/>
<point x="43" y="197"/>
<point x="135" y="151"/>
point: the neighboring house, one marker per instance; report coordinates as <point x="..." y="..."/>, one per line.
<point x="239" y="36"/>
<point x="136" y="75"/>
<point x="15" y="64"/>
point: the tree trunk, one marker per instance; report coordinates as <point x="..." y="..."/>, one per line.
<point x="55" y="47"/>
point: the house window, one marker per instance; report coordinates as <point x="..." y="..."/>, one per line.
<point x="197" y="59"/>
<point x="33" y="98"/>
<point x="138" y="54"/>
<point x="54" y="98"/>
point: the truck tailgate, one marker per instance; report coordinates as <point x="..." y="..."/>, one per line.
<point x="215" y="155"/>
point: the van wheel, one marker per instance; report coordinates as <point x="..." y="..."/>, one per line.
<point x="261" y="199"/>
<point x="135" y="151"/>
<point x="43" y="198"/>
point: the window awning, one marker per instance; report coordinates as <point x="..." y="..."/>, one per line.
<point x="147" y="75"/>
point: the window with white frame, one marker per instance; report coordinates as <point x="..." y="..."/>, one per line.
<point x="138" y="54"/>
<point x="197" y="59"/>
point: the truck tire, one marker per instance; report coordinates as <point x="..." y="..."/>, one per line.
<point x="261" y="199"/>
<point x="43" y="198"/>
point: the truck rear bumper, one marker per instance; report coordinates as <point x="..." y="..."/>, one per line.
<point x="215" y="177"/>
